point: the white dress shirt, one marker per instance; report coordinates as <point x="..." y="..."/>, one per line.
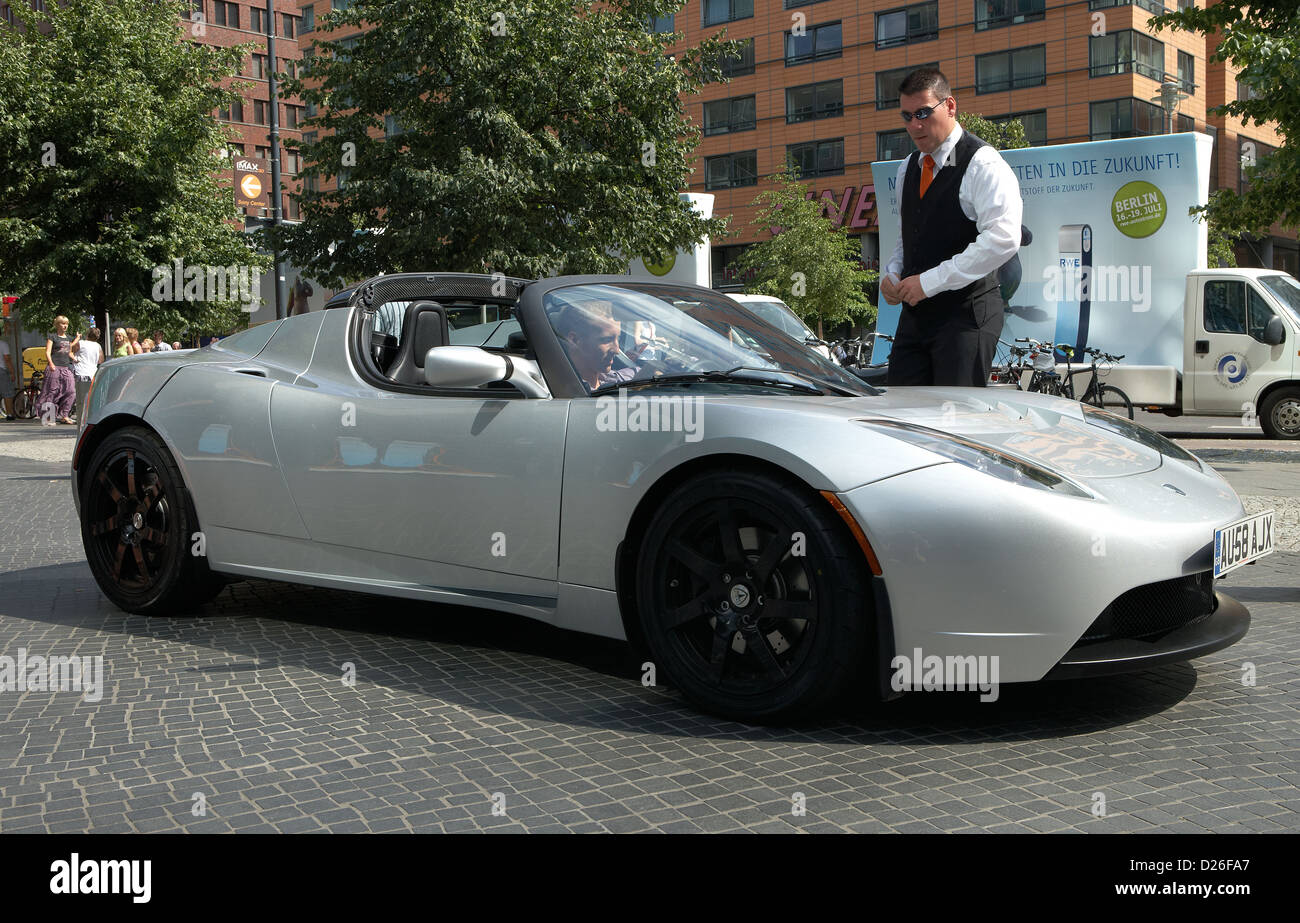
<point x="989" y="196"/>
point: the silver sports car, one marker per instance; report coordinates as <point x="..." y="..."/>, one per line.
<point x="650" y="461"/>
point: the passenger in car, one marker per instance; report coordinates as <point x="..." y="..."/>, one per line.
<point x="589" y="333"/>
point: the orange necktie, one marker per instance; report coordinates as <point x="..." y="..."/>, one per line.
<point x="927" y="173"/>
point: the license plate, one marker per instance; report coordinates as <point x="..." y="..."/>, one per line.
<point x="1243" y="541"/>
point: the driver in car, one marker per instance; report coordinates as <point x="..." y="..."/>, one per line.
<point x="590" y="335"/>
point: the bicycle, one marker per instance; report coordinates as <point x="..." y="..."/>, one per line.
<point x="27" y="402"/>
<point x="1107" y="397"/>
<point x="1045" y="378"/>
<point x="1013" y="370"/>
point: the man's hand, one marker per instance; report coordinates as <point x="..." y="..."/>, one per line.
<point x="889" y="288"/>
<point x="910" y="291"/>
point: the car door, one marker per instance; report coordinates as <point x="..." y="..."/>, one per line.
<point x="1229" y="345"/>
<point x="467" y="483"/>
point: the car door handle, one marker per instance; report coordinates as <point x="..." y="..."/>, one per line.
<point x="258" y="372"/>
<point x="1202" y="347"/>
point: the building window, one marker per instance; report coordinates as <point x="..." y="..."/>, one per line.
<point x="259" y="66"/>
<point x="257" y="19"/>
<point x="292" y="210"/>
<point x="312" y="111"/>
<point x="918" y="23"/>
<point x="1187" y="71"/>
<point x="661" y="23"/>
<point x="823" y="100"/>
<point x="724" y="271"/>
<point x="234" y="113"/>
<point x="341" y="4"/>
<point x="1151" y="6"/>
<point x="741" y="62"/>
<point x="817" y="158"/>
<point x="888" y="82"/>
<point x="1186" y="123"/>
<point x="7" y="14"/>
<point x="288" y="25"/>
<point x="729" y="170"/>
<point x="1186" y="4"/>
<point x="993" y="14"/>
<point x="308" y="23"/>
<point x="1124" y="118"/>
<point x="1034" y="123"/>
<point x="1251" y="154"/>
<point x="225" y="14"/>
<point x="894" y="145"/>
<point x="261" y="112"/>
<point x="1245" y="91"/>
<point x="729" y="115"/>
<point x="393" y="127"/>
<point x="720" y="11"/>
<point x="289" y="67"/>
<point x="1011" y="70"/>
<point x="292" y="116"/>
<point x="1126" y="52"/>
<point x="816" y="43"/>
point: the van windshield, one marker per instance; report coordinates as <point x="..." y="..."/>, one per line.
<point x="1286" y="290"/>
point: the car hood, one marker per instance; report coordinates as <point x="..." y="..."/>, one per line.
<point x="1049" y="431"/>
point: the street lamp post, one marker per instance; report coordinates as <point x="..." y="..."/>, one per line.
<point x="276" y="205"/>
<point x="1171" y="95"/>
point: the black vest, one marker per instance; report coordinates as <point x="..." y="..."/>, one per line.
<point x="935" y="228"/>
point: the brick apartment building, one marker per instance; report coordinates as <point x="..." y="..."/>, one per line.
<point x="1070" y="71"/>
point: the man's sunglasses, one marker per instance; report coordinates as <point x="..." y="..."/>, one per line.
<point x="924" y="112"/>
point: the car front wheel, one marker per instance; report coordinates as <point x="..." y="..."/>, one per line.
<point x="753" y="596"/>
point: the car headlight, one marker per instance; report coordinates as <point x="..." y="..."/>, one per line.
<point x="986" y="460"/>
<point x="1123" y="426"/>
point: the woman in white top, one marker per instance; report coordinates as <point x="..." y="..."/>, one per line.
<point x="87" y="357"/>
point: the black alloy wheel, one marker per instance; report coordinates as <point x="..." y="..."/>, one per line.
<point x="137" y="530"/>
<point x="753" y="596"/>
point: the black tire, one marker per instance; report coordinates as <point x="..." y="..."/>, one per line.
<point x="1279" y="414"/>
<point x="1108" y="397"/>
<point x="136" y="527"/>
<point x="24" y="405"/>
<point x="716" y="571"/>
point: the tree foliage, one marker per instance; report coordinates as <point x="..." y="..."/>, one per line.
<point x="811" y="265"/>
<point x="529" y="137"/>
<point x="1262" y="40"/>
<point x="111" y="156"/>
<point x="1004" y="136"/>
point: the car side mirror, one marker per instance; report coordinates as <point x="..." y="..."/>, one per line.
<point x="1274" y="331"/>
<point x="464" y="367"/>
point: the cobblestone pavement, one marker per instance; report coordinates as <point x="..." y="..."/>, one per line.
<point x="239" y="719"/>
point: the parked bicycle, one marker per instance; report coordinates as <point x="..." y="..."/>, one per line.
<point x="1107" y="397"/>
<point x="1012" y="371"/>
<point x="1045" y="378"/>
<point x="27" y="402"/>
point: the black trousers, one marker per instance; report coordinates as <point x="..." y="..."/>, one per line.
<point x="948" y="341"/>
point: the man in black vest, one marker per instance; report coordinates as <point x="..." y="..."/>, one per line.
<point x="960" y="210"/>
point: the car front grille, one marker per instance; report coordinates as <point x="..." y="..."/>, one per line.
<point x="1151" y="610"/>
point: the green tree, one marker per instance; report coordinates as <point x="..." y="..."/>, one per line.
<point x="527" y="138"/>
<point x="1004" y="136"/>
<point x="1262" y="40"/>
<point x="111" y="156"/>
<point x="809" y="264"/>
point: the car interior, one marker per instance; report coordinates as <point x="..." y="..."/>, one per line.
<point x="428" y="324"/>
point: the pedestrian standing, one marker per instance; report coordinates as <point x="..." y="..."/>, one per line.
<point x="160" y="345"/>
<point x="59" y="390"/>
<point x="88" y="356"/>
<point x="959" y="212"/>
<point x="7" y="376"/>
<point x="121" y="343"/>
<point x="134" y="336"/>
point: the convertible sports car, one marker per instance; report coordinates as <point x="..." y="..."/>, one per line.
<point x="650" y="461"/>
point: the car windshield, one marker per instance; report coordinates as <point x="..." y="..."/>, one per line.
<point x="1286" y="290"/>
<point x="778" y="314"/>
<point x="629" y="333"/>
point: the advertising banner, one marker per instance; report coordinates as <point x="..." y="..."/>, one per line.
<point x="251" y="182"/>
<point x="1112" y="244"/>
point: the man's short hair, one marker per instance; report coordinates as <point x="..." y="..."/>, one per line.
<point x="583" y="318"/>
<point x="926" y="78"/>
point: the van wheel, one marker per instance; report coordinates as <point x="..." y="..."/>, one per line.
<point x="1280" y="414"/>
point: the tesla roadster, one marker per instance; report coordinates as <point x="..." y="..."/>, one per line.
<point x="770" y="530"/>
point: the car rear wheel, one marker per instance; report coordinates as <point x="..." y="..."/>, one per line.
<point x="137" y="527"/>
<point x="1280" y="414"/>
<point x="753" y="597"/>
